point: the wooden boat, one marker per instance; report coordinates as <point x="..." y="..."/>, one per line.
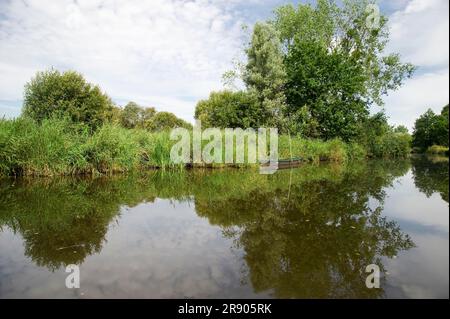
<point x="287" y="162"/>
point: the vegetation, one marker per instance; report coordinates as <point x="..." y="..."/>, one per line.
<point x="431" y="129"/>
<point x="52" y="93"/>
<point x="59" y="147"/>
<point x="437" y="150"/>
<point x="314" y="71"/>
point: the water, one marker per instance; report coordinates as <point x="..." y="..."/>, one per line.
<point x="307" y="232"/>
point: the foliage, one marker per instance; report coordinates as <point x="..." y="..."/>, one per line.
<point x="67" y="94"/>
<point x="327" y="88"/>
<point x="264" y="74"/>
<point x="60" y="147"/>
<point x="134" y="115"/>
<point x="382" y="140"/>
<point x="316" y="70"/>
<point x="344" y="29"/>
<point x="438" y="149"/>
<point x="165" y="121"/>
<point x="431" y="129"/>
<point x="227" y="109"/>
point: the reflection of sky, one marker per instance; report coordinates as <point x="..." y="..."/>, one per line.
<point x="165" y="250"/>
<point x="157" y="250"/>
<point x="422" y="272"/>
<point x="412" y="206"/>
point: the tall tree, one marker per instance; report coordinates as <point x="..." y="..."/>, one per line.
<point x="357" y="30"/>
<point x="264" y="74"/>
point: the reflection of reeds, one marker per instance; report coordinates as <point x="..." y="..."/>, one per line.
<point x="64" y="219"/>
<point x="438" y="150"/>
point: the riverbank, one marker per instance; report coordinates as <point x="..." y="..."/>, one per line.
<point x="57" y="147"/>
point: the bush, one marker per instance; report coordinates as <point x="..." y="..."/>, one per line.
<point x="438" y="150"/>
<point x="390" y="145"/>
<point x="230" y="109"/>
<point x="52" y="93"/>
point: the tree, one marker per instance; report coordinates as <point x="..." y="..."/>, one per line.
<point x="401" y="129"/>
<point x="164" y="121"/>
<point x="431" y="129"/>
<point x="52" y="93"/>
<point x="264" y="74"/>
<point x="133" y="115"/>
<point x="346" y="29"/>
<point x="230" y="109"/>
<point x="327" y="86"/>
<point x="316" y="70"/>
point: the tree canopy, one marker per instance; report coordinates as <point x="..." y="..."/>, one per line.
<point x="431" y="129"/>
<point x="314" y="70"/>
<point x="66" y="94"/>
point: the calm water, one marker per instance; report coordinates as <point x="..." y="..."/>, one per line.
<point x="307" y="232"/>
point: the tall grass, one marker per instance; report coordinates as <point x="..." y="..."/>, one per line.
<point x="57" y="147"/>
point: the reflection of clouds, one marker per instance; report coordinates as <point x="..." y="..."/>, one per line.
<point x="167" y="252"/>
<point x="157" y="250"/>
<point x="406" y="202"/>
<point x="423" y="271"/>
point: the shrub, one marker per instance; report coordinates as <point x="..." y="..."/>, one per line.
<point x="52" y="93"/>
<point x="438" y="149"/>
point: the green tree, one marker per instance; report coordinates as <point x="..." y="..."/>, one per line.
<point x="442" y="130"/>
<point x="130" y="115"/>
<point x="133" y="115"/>
<point x="264" y="74"/>
<point x="316" y="70"/>
<point x="345" y="29"/>
<point x="165" y="120"/>
<point x="52" y="93"/>
<point x="329" y="85"/>
<point x="230" y="109"/>
<point x="431" y="129"/>
<point x="401" y="129"/>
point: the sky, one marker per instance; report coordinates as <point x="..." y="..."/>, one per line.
<point x="169" y="54"/>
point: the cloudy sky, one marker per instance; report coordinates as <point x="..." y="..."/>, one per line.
<point x="171" y="53"/>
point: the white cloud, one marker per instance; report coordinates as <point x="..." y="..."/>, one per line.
<point x="171" y="53"/>
<point x="164" y="53"/>
<point x="429" y="90"/>
<point x="420" y="33"/>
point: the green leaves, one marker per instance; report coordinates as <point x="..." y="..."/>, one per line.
<point x="52" y="93"/>
<point x="431" y="129"/>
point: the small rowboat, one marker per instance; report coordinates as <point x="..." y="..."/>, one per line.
<point x="288" y="162"/>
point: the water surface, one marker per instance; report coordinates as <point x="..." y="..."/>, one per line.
<point x="307" y="232"/>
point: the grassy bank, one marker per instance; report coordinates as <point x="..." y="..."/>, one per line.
<point x="56" y="147"/>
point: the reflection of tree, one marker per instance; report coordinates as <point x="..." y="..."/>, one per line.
<point x="316" y="241"/>
<point x="64" y="220"/>
<point x="431" y="175"/>
<point x="308" y="232"/>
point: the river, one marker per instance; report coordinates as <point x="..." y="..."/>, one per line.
<point x="306" y="232"/>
